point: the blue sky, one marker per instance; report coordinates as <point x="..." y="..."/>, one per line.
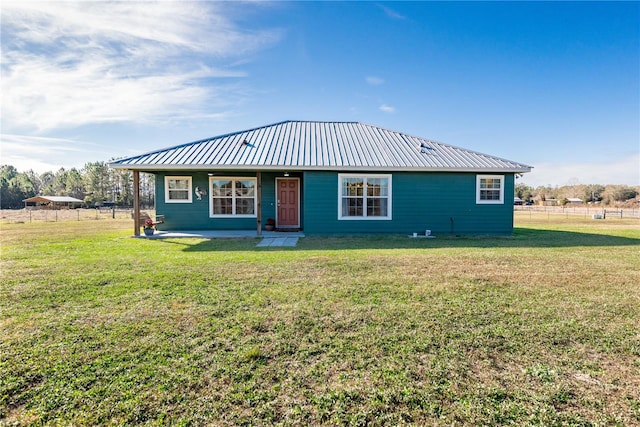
<point x="553" y="85"/>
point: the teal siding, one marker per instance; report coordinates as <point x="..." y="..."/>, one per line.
<point x="442" y="202"/>
<point x="268" y="196"/>
<point x="195" y="215"/>
<point x="183" y="216"/>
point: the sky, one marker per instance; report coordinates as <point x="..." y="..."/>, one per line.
<point x="550" y="84"/>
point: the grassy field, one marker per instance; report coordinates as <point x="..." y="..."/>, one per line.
<point x="542" y="328"/>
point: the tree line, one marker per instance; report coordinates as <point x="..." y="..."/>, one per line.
<point x="94" y="184"/>
<point x="590" y="193"/>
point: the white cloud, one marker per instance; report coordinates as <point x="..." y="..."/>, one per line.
<point x="387" y="108"/>
<point x="375" y="81"/>
<point x="622" y="170"/>
<point x="392" y="13"/>
<point x="42" y="154"/>
<point x="67" y="64"/>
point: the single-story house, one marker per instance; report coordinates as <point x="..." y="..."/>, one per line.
<point x="52" y="202"/>
<point x="329" y="178"/>
<point x="574" y="201"/>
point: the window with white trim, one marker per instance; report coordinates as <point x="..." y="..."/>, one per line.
<point x="490" y="189"/>
<point x="364" y="196"/>
<point x="177" y="189"/>
<point x="233" y="196"/>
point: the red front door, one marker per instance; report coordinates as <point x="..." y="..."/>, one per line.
<point x="288" y="199"/>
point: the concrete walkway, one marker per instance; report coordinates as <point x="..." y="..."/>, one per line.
<point x="278" y="241"/>
<point x="269" y="238"/>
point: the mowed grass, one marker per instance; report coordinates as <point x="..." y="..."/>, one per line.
<point x="542" y="328"/>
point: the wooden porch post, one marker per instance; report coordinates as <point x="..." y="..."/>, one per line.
<point x="259" y="207"/>
<point x="136" y="203"/>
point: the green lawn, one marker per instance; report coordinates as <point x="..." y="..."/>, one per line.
<point x="542" y="328"/>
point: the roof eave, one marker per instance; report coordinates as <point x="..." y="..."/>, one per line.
<point x="289" y="168"/>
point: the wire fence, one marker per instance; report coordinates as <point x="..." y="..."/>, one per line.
<point x="23" y="216"/>
<point x="584" y="211"/>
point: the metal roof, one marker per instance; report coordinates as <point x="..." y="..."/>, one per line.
<point x="312" y="145"/>
<point x="54" y="199"/>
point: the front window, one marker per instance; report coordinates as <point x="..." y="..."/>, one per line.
<point x="364" y="197"/>
<point x="490" y="189"/>
<point x="233" y="196"/>
<point x="177" y="189"/>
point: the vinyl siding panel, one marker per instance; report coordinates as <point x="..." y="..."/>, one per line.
<point x="268" y="196"/>
<point x="179" y="215"/>
<point x="442" y="202"/>
<point x="195" y="215"/>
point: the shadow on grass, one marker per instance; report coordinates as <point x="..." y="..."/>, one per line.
<point x="522" y="238"/>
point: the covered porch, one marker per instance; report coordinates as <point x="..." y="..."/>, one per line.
<point x="227" y="201"/>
